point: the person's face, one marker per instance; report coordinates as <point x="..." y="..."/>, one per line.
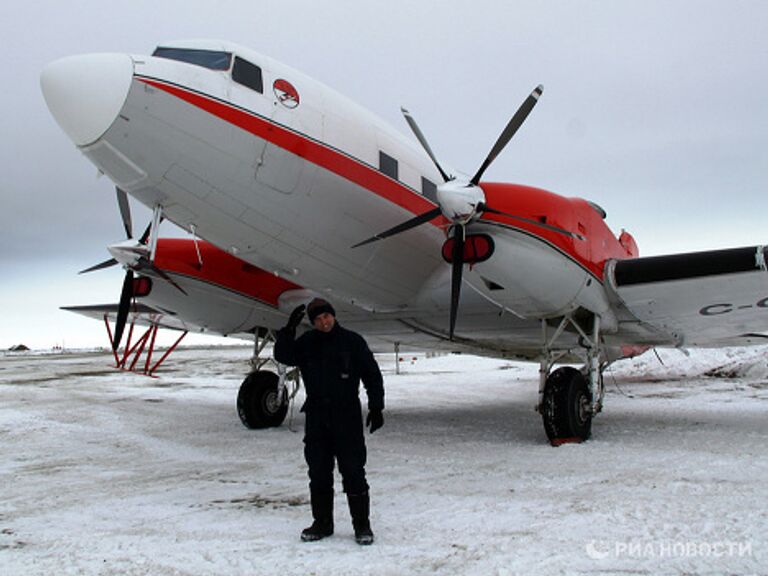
<point x="324" y="322"/>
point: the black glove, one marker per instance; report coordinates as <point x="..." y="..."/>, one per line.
<point x="375" y="420"/>
<point x="296" y="316"/>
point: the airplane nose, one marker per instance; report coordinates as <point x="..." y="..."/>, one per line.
<point x="86" y="93"/>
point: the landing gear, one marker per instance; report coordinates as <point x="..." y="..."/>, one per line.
<point x="260" y="403"/>
<point x="567" y="406"/>
<point x="568" y="397"/>
<point x="264" y="396"/>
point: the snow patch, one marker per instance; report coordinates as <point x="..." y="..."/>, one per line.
<point x="113" y="473"/>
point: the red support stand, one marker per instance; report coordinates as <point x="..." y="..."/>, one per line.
<point x="167" y="353"/>
<point x="151" y="349"/>
<point x="127" y="350"/>
<point x="137" y="349"/>
<point x="111" y="340"/>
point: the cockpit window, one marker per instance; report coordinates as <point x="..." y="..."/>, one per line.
<point x="211" y="59"/>
<point x="247" y="74"/>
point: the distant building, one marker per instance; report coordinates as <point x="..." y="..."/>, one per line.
<point x="18" y="348"/>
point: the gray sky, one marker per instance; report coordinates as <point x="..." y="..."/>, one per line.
<point x="654" y="109"/>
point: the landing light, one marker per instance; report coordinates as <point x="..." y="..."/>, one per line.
<point x="142" y="286"/>
<point x="477" y="248"/>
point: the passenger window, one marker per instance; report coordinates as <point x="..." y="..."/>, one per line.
<point x="211" y="59"/>
<point x="388" y="165"/>
<point x="429" y="189"/>
<point x="247" y="74"/>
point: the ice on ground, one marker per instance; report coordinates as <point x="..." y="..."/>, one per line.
<point x="112" y="473"/>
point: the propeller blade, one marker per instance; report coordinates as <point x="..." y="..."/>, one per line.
<point x="168" y="279"/>
<point x="509" y="131"/>
<point x="105" y="264"/>
<point x="423" y="141"/>
<point x="122" y="312"/>
<point x="407" y="225"/>
<point x="485" y="208"/>
<point x="459" y="233"/>
<point x="144" y="265"/>
<point x="125" y="212"/>
<point x="145" y="236"/>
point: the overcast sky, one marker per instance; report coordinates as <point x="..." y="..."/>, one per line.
<point x="656" y="110"/>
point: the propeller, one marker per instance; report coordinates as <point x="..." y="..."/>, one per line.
<point x="136" y="258"/>
<point x="126" y="296"/>
<point x="463" y="201"/>
<point x="457" y="258"/>
<point x="509" y="131"/>
<point x="412" y="223"/>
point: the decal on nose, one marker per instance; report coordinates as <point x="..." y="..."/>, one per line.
<point x="86" y="93"/>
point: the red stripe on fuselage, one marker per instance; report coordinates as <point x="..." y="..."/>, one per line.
<point x="366" y="176"/>
<point x="299" y="144"/>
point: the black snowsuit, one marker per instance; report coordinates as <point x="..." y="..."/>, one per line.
<point x="332" y="365"/>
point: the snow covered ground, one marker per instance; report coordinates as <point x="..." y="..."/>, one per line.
<point x="112" y="473"/>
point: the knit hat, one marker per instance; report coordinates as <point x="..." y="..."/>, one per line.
<point x="319" y="306"/>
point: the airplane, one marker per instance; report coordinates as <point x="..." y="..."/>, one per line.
<point x="287" y="175"/>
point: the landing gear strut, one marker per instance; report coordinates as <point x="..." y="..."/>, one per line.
<point x="264" y="396"/>
<point x="569" y="398"/>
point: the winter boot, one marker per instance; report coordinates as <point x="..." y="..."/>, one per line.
<point x="322" y="512"/>
<point x="359" y="509"/>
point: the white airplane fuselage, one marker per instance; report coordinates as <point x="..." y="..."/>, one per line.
<point x="290" y="177"/>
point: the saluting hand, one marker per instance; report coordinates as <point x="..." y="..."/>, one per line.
<point x="374" y="420"/>
<point x="296" y="317"/>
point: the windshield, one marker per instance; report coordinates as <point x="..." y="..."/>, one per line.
<point x="211" y="59"/>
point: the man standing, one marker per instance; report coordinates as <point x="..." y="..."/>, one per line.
<point x="332" y="361"/>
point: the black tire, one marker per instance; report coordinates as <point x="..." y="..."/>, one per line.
<point x="257" y="403"/>
<point x="567" y="406"/>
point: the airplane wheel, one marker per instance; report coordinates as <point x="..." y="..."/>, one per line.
<point x="258" y="404"/>
<point x="566" y="408"/>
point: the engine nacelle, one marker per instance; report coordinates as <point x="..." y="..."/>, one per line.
<point x="553" y="284"/>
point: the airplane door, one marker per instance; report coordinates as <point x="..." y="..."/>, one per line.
<point x="283" y="167"/>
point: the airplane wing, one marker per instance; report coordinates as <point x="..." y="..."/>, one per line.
<point x="143" y="315"/>
<point x="710" y="299"/>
